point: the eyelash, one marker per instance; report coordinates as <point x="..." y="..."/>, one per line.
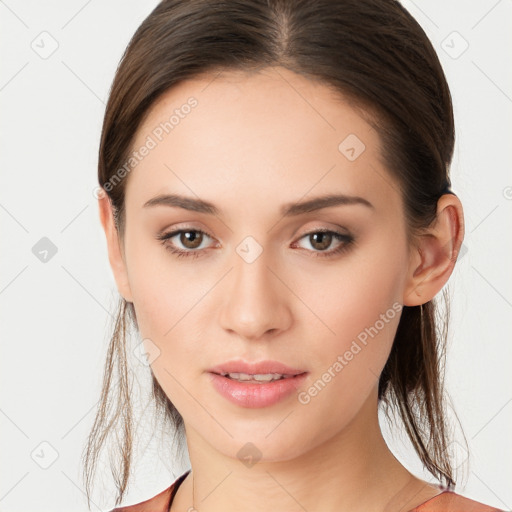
<point x="347" y="239"/>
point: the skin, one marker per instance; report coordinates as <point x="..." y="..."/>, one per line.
<point x="253" y="143"/>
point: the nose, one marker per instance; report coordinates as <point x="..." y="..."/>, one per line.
<point x="256" y="300"/>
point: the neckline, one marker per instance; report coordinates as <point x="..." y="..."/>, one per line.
<point x="175" y="486"/>
<point x="180" y="480"/>
<point x="418" y="507"/>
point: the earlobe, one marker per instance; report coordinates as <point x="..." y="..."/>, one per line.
<point x="115" y="256"/>
<point x="433" y="258"/>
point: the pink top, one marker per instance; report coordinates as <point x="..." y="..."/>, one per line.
<point x="446" y="501"/>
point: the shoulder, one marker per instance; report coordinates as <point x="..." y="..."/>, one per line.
<point x="449" y="501"/>
<point x="159" y="503"/>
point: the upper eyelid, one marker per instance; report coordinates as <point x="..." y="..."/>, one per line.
<point x="173" y="232"/>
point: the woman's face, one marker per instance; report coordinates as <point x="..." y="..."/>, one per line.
<point x="256" y="283"/>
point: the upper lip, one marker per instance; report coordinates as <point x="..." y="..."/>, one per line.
<point x="260" y="367"/>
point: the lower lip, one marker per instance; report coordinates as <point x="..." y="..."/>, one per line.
<point x="247" y="394"/>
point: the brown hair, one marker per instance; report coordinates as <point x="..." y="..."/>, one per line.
<point x="375" y="55"/>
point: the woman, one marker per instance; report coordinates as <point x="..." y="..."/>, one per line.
<point x="277" y="207"/>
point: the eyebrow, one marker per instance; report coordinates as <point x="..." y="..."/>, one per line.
<point x="287" y="210"/>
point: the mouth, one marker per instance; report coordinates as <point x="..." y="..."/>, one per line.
<point x="258" y="378"/>
<point x="256" y="390"/>
<point x="257" y="371"/>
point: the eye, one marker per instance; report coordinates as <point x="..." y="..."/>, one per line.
<point x="321" y="239"/>
<point x="191" y="240"/>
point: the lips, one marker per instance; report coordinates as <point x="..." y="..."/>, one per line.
<point x="255" y="368"/>
<point x="251" y="394"/>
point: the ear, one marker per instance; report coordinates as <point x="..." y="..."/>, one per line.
<point x="115" y="253"/>
<point x="433" y="257"/>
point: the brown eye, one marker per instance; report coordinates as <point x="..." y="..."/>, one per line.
<point x="191" y="239"/>
<point x="188" y="241"/>
<point x="185" y="242"/>
<point x="320" y="240"/>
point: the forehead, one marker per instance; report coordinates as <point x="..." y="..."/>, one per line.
<point x="270" y="135"/>
<point x="253" y="102"/>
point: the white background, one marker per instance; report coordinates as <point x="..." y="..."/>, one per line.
<point x="56" y="315"/>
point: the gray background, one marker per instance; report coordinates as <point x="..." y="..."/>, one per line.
<point x="56" y="314"/>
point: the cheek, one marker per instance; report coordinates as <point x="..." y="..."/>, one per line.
<point x="359" y="305"/>
<point x="351" y="297"/>
<point x="168" y="295"/>
<point x="162" y="292"/>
